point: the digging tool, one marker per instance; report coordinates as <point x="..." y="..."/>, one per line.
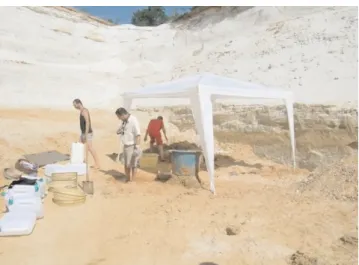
<point x="87" y="185"/>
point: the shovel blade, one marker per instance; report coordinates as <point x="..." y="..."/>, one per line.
<point x="88" y="187"/>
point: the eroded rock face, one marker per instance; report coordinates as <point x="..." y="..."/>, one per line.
<point x="323" y="133"/>
<point x="261" y="118"/>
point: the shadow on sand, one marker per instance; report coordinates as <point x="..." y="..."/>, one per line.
<point x="116" y="175"/>
<point x="113" y="156"/>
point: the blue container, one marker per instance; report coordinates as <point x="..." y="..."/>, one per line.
<point x="185" y="163"/>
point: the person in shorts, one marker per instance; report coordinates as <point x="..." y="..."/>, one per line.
<point x="86" y="129"/>
<point x="154" y="128"/>
<point x="130" y="134"/>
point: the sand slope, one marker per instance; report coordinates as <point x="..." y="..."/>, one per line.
<point x="311" y="51"/>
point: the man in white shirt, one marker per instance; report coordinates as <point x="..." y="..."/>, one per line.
<point x="130" y="137"/>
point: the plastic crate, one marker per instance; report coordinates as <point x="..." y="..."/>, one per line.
<point x="149" y="161"/>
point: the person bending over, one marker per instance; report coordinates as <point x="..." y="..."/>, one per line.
<point x="154" y="131"/>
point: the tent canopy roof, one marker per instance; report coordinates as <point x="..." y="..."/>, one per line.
<point x="211" y="84"/>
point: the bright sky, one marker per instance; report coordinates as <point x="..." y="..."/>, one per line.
<point x="123" y="14"/>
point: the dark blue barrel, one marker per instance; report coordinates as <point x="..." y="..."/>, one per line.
<point x="185" y="162"/>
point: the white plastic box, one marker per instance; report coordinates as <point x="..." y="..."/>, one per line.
<point x="27" y="190"/>
<point x="17" y="224"/>
<point x="77" y="153"/>
<point x="80" y="169"/>
<point x="25" y="203"/>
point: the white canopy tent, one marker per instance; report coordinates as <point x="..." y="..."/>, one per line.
<point x="202" y="90"/>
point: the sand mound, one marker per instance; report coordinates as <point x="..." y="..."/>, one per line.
<point x="338" y="181"/>
<point x="184" y="145"/>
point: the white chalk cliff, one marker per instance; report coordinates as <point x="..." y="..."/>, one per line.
<point x="48" y="57"/>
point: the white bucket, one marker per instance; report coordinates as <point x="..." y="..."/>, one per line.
<point x="77" y="153"/>
<point x="17" y="223"/>
<point x="23" y="204"/>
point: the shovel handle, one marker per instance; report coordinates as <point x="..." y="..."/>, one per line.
<point x="86" y="161"/>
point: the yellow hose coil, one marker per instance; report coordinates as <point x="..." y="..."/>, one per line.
<point x="65" y="189"/>
<point x="62" y="180"/>
<point x="68" y="203"/>
<point x="65" y="196"/>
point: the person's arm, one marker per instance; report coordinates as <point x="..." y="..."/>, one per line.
<point x="137" y="132"/>
<point x="164" y="131"/>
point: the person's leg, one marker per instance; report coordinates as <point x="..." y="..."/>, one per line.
<point x="159" y="144"/>
<point x="128" y="173"/>
<point x="82" y="138"/>
<point x="92" y="151"/>
<point x="126" y="163"/>
<point x="134" y="172"/>
<point x="134" y="165"/>
<point x="129" y="150"/>
<point x="152" y="141"/>
<point x="161" y="153"/>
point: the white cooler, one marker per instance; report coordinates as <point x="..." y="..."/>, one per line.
<point x="17" y="223"/>
<point x="25" y="203"/>
<point x="80" y="169"/>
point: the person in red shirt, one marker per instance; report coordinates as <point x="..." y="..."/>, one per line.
<point x="154" y="131"/>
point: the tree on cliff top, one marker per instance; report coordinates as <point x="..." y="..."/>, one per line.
<point x="150" y="16"/>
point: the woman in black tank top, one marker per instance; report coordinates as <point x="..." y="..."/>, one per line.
<point x="83" y="124"/>
<point x="86" y="139"/>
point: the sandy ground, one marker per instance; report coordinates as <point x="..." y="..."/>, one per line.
<point x="150" y="222"/>
<point x="310" y="51"/>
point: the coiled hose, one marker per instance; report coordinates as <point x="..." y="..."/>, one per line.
<point x="66" y="196"/>
<point x="65" y="189"/>
<point x="63" y="180"/>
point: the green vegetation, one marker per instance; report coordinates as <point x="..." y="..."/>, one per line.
<point x="153" y="16"/>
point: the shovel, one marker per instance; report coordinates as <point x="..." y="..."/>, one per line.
<point x="87" y="185"/>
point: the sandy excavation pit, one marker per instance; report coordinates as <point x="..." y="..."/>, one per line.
<point x="220" y="161"/>
<point x="263" y="212"/>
